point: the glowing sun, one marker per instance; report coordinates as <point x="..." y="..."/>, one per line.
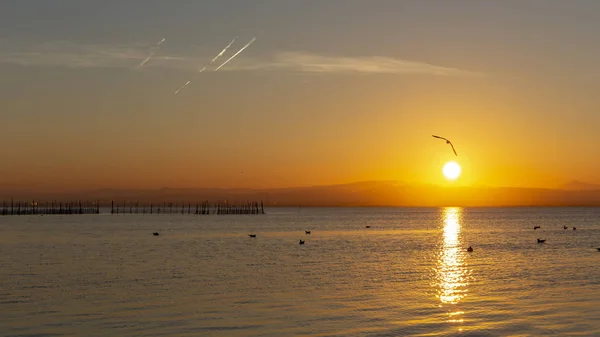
<point x="451" y="170"/>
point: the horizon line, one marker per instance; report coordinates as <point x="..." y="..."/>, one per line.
<point x="562" y="187"/>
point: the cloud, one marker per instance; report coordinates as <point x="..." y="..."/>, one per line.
<point x="71" y="55"/>
<point x="65" y="54"/>
<point x="311" y="62"/>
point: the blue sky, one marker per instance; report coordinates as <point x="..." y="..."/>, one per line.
<point x="322" y="77"/>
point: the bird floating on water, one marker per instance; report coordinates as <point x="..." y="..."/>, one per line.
<point x="470" y="249"/>
<point x="301" y="242"/>
<point x="541" y="241"/>
<point x="447" y="142"/>
<point x="252" y="235"/>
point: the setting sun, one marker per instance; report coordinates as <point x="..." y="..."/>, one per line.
<point x="451" y="170"/>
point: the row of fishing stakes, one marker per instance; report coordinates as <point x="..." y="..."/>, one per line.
<point x="17" y="207"/>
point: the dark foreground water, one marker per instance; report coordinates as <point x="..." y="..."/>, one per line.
<point x="407" y="275"/>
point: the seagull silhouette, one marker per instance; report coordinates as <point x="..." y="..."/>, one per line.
<point x="447" y="142"/>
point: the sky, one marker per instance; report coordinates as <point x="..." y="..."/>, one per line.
<point x="329" y="92"/>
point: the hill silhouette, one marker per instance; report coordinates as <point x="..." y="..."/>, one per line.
<point x="578" y="185"/>
<point x="370" y="193"/>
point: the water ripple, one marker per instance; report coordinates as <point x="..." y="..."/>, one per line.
<point x="408" y="275"/>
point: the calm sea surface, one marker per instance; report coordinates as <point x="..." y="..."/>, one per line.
<point x="407" y="275"/>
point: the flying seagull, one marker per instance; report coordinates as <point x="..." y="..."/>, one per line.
<point x="447" y="142"/>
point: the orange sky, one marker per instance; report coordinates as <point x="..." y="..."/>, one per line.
<point x="518" y="99"/>
<point x="368" y="134"/>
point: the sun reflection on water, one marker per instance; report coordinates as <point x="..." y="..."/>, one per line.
<point x="451" y="270"/>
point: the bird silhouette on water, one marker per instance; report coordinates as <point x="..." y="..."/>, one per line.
<point x="155" y="234"/>
<point x="447" y="142"/>
<point x="252" y="235"/>
<point x="301" y="242"/>
<point x="541" y="241"/>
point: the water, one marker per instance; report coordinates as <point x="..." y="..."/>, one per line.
<point x="407" y="275"/>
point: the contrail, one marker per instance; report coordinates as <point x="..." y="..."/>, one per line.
<point x="213" y="60"/>
<point x="224" y="50"/>
<point x="183" y="86"/>
<point x="153" y="51"/>
<point x="188" y="82"/>
<point x="204" y="68"/>
<point x="234" y="55"/>
<point x="147" y="59"/>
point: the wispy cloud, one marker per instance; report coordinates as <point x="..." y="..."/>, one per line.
<point x="71" y="55"/>
<point x="311" y="62"/>
<point x="65" y="54"/>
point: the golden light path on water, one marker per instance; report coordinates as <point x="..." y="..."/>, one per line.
<point x="451" y="270"/>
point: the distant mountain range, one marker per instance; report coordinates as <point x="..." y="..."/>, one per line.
<point x="371" y="193"/>
<point x="578" y="185"/>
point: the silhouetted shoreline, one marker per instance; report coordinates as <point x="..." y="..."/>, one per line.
<point x="362" y="194"/>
